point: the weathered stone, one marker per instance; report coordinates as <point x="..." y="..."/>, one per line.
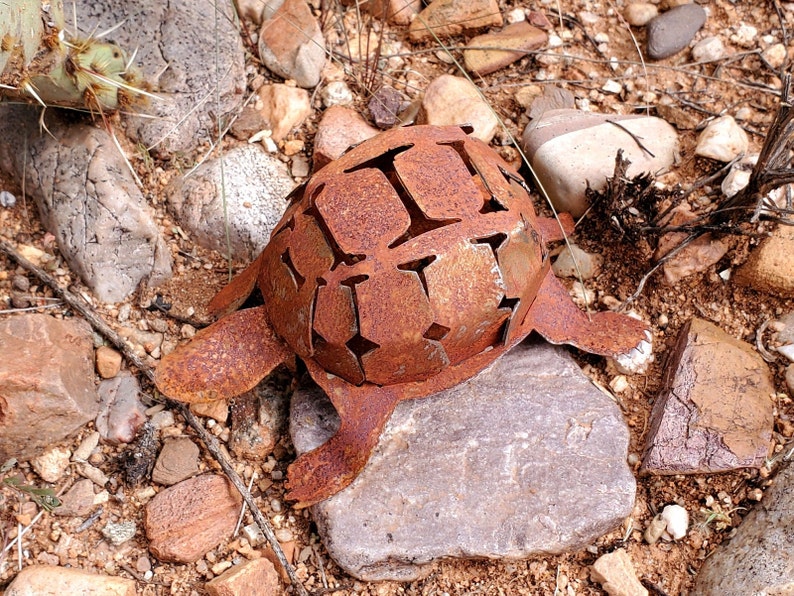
<point x="173" y="45"/>
<point x="757" y="560"/>
<point x="339" y="129"/>
<point x="254" y="187"/>
<point x="178" y="461"/>
<point x="615" y="572"/>
<point x="671" y="32"/>
<point x="452" y="17"/>
<point x="526" y="458"/>
<point x="723" y="139"/>
<point x="399" y="12"/>
<point x="51" y="464"/>
<point x="47" y="387"/>
<point x="88" y="199"/>
<point x="384" y="106"/>
<point x="553" y="98"/>
<point x="108" y="362"/>
<point x="259" y="418"/>
<point x="709" y="49"/>
<point x="217" y="409"/>
<point x="575" y="262"/>
<point x="291" y="43"/>
<point x="569" y="149"/>
<point x="185" y="521"/>
<point x="121" y="411"/>
<point x="43" y="580"/>
<point x="78" y="501"/>
<point x="284" y="108"/>
<point x="714" y="411"/>
<point x="258" y="577"/>
<point x="488" y="53"/>
<point x="770" y="267"/>
<point x="451" y="100"/>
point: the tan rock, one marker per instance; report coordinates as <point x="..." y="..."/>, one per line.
<point x="452" y="17"/>
<point x="108" y="362"/>
<point x="451" y="100"/>
<point x="339" y="129"/>
<point x="640" y="14"/>
<point x="399" y="12"/>
<point x="284" y="107"/>
<point x="253" y="578"/>
<point x="714" y="412"/>
<point x="51" y="464"/>
<point x="770" y="267"/>
<point x="217" y="409"/>
<point x="615" y="572"/>
<point x="185" y="521"/>
<point x="51" y="580"/>
<point x="503" y="47"/>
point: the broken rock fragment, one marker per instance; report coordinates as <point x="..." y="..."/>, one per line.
<point x="714" y="412"/>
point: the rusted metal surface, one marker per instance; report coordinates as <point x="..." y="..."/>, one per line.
<point x="399" y="270"/>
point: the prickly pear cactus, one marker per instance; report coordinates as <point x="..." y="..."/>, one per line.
<point x="40" y="62"/>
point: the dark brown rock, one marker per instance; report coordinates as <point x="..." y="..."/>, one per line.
<point x="714" y="412"/>
<point x="526" y="458"/>
<point x="384" y="107"/>
<point x="47" y="387"/>
<point x="185" y="521"/>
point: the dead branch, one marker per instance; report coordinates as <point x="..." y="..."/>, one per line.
<point x="77" y="304"/>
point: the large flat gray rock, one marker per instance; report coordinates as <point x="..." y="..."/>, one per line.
<point x="527" y="458"/>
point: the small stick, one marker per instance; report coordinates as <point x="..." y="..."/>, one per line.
<point x="79" y="305"/>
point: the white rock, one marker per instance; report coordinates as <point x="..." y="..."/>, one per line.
<point x="639" y="13"/>
<point x="612" y="87"/>
<point x="7" y="199"/>
<point x="636" y="362"/>
<point x="516" y="16"/>
<point x="745" y="35"/>
<point x="677" y="520"/>
<point x="336" y="93"/>
<point x="709" y="49"/>
<point x="735" y="181"/>
<point x="569" y="148"/>
<point x="51" y="464"/>
<point x="723" y="139"/>
<point x="787" y="351"/>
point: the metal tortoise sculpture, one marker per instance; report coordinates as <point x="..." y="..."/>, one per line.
<point x="401" y="269"/>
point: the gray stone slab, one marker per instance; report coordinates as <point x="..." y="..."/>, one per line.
<point x="527" y="458"/>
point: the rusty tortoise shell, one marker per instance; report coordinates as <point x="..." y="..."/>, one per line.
<point x="402" y="268"/>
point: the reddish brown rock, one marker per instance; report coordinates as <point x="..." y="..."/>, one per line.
<point x="399" y="12"/>
<point x="44" y="580"/>
<point x="490" y="52"/>
<point x="714" y="412"/>
<point x="254" y="578"/>
<point x="452" y="17"/>
<point x="178" y="461"/>
<point x="339" y="129"/>
<point x="291" y="43"/>
<point x="47" y="388"/>
<point x="185" y="521"/>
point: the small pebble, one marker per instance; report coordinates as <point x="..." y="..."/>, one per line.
<point x="119" y="533"/>
<point x="655" y="529"/>
<point x="676" y="519"/>
<point x="639" y="14"/>
<point x="671" y="32"/>
<point x="7" y="200"/>
<point x="336" y="93"/>
<point x="710" y="49"/>
<point x="723" y="139"/>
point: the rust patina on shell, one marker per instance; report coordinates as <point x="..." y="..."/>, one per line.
<point x="401" y="269"/>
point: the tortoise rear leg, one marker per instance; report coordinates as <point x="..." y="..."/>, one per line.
<point x="332" y="466"/>
<point x="557" y="318"/>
